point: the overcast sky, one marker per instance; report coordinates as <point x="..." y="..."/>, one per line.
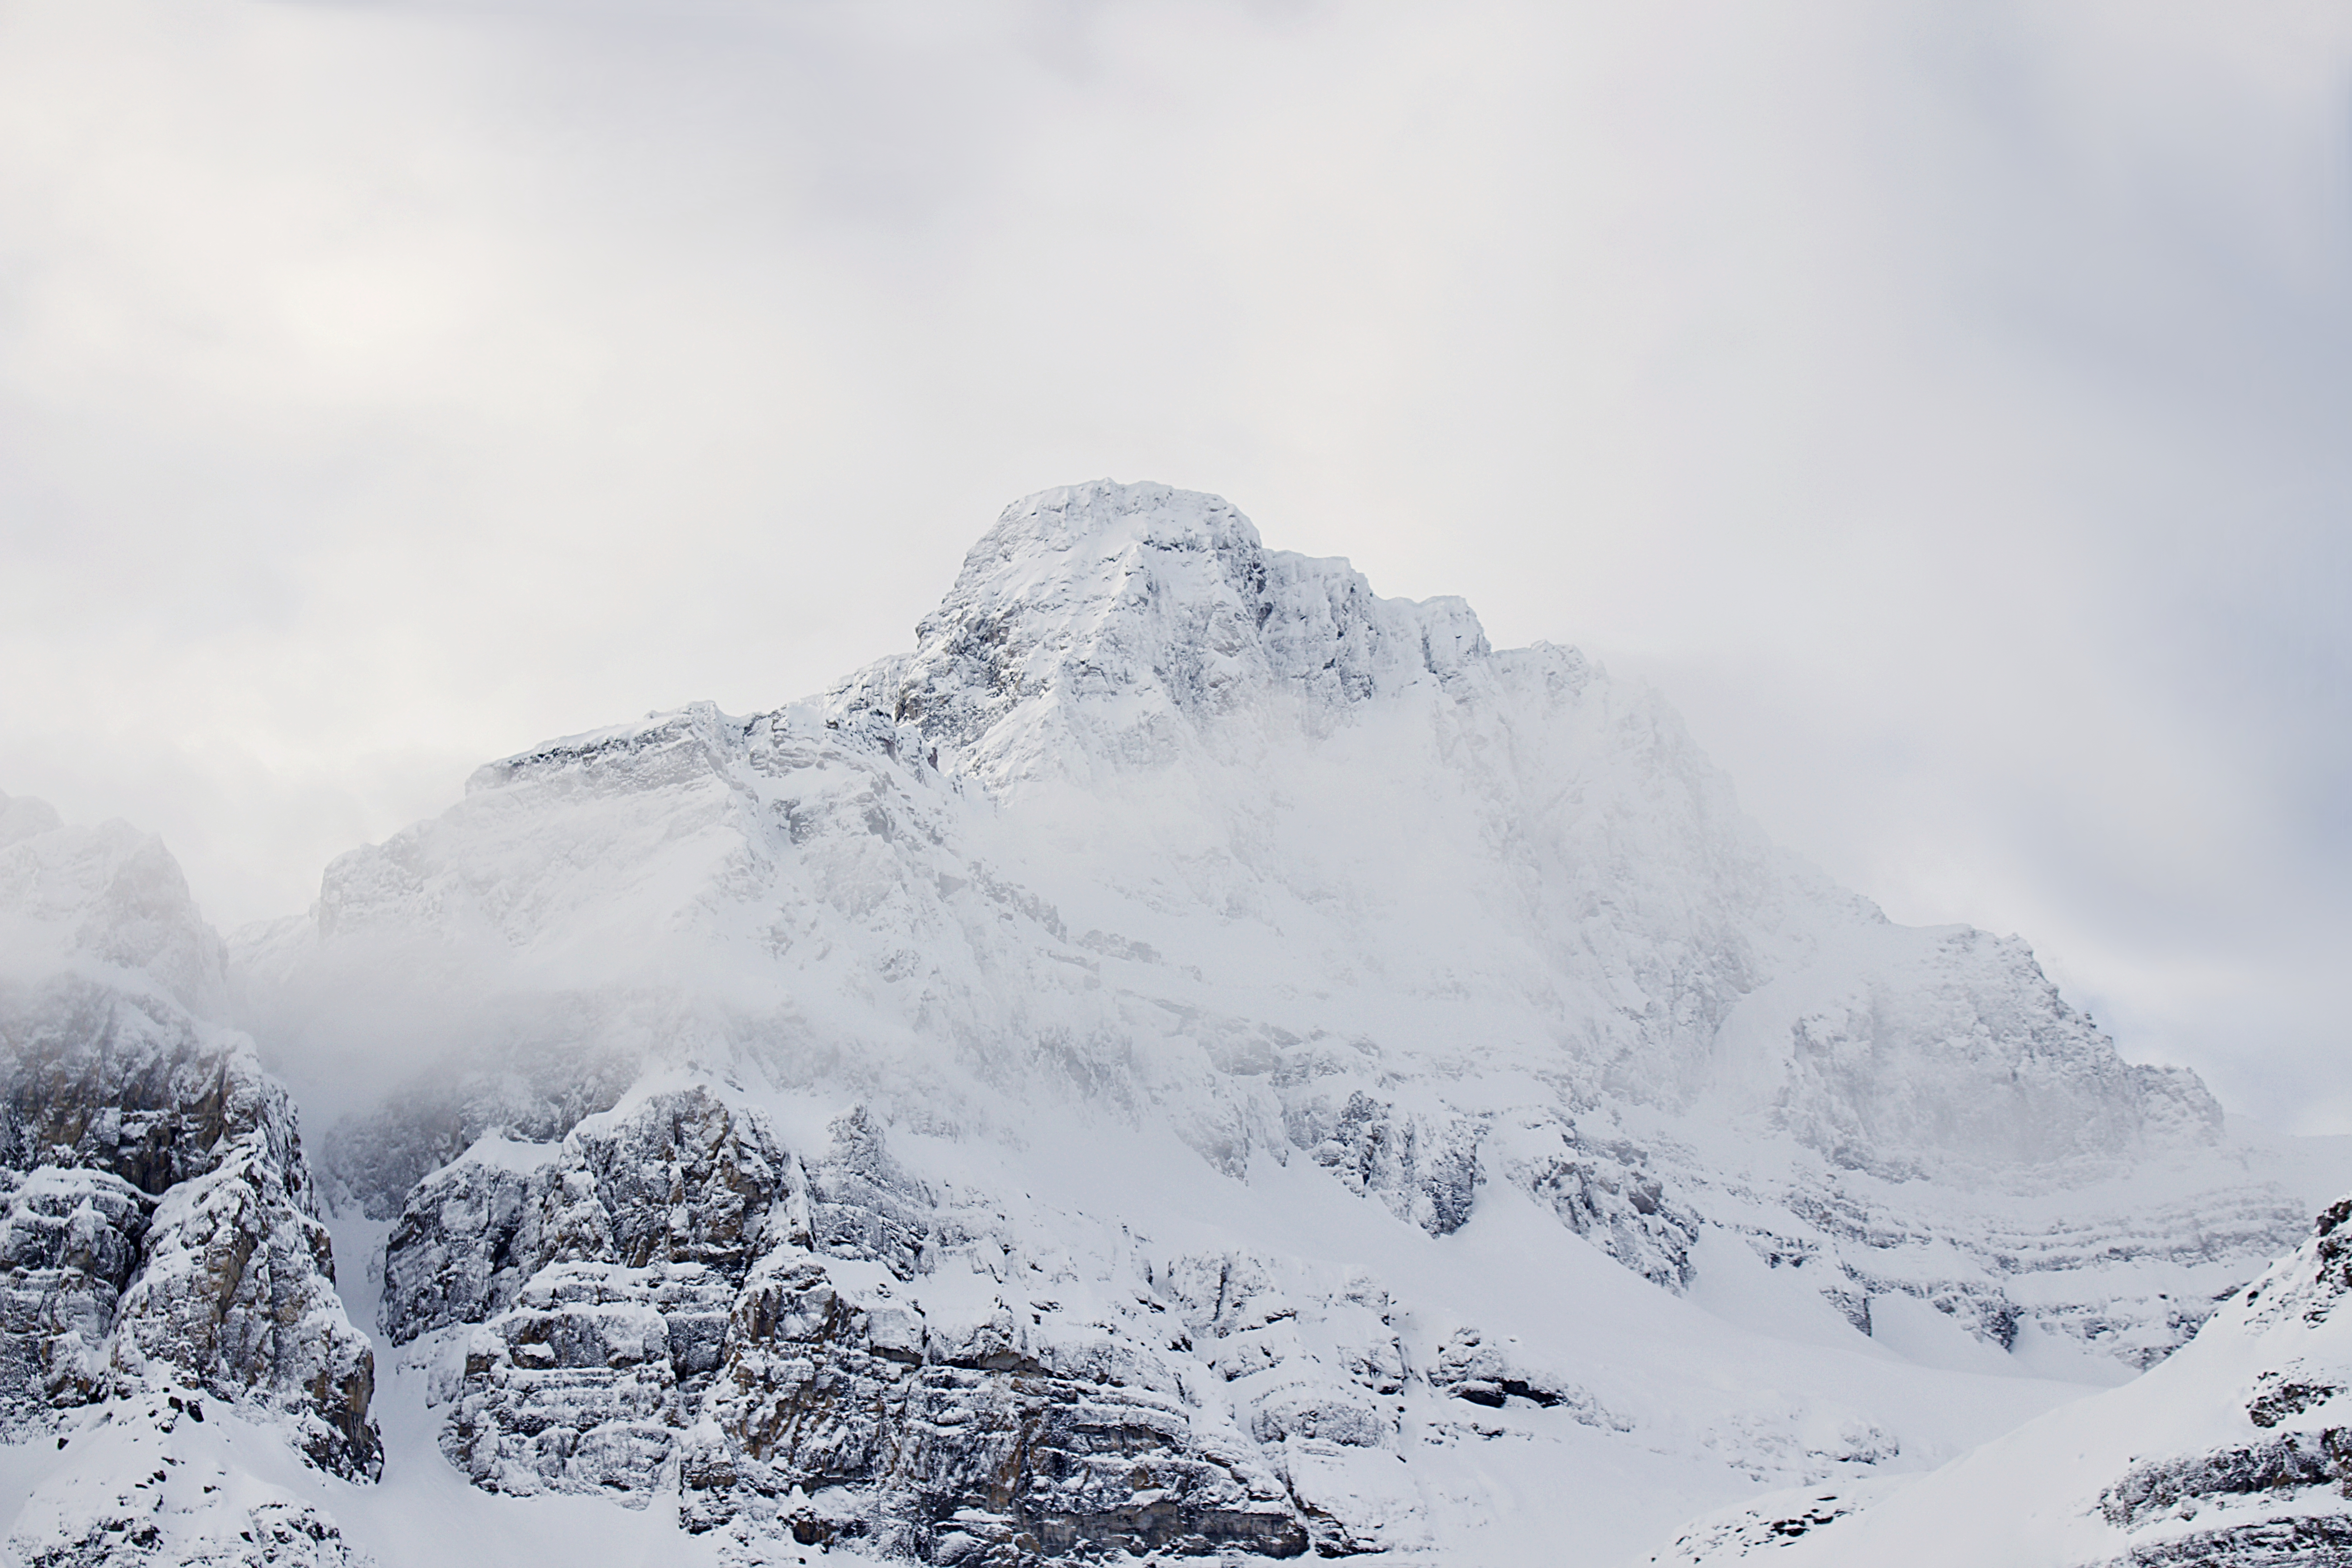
<point x="1948" y="405"/>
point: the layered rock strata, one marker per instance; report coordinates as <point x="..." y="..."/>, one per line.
<point x="669" y="1298"/>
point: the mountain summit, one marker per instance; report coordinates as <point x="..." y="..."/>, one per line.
<point x="1126" y="624"/>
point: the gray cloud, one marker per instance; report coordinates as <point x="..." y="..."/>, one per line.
<point x="1943" y="403"/>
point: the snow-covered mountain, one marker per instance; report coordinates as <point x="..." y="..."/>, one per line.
<point x="1193" y="1058"/>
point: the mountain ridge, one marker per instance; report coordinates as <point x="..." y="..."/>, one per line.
<point x="1121" y="628"/>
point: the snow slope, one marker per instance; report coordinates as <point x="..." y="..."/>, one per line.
<point x="2232" y="1454"/>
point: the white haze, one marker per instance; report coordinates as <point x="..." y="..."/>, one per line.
<point x="1944" y="404"/>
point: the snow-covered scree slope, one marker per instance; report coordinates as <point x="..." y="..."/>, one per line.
<point x="160" y="1256"/>
<point x="2235" y="1453"/>
<point x="1195" y="1058"/>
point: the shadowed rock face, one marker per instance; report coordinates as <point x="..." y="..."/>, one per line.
<point x="683" y="1181"/>
<point x="159" y="1226"/>
<point x="982" y="1447"/>
<point x="671" y="1291"/>
<point x="104" y="1078"/>
<point x="236" y="1295"/>
<point x="69" y="1244"/>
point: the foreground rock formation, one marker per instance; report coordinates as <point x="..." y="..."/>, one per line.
<point x="673" y="1297"/>
<point x="160" y="1252"/>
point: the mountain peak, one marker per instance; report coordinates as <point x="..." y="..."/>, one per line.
<point x="1055" y="526"/>
<point x="1117" y="622"/>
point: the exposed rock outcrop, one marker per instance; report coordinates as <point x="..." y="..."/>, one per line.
<point x="1423" y="1168"/>
<point x="235" y="1296"/>
<point x="970" y="1440"/>
<point x="752" y="1348"/>
<point x="159" y="1231"/>
<point x="160" y="1224"/>
<point x="70" y="1245"/>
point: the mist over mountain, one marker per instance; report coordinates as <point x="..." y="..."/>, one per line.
<point x="1194" y="1058"/>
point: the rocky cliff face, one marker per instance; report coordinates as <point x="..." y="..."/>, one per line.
<point x="160" y="1247"/>
<point x="669" y="1298"/>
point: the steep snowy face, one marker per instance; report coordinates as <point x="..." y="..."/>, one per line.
<point x="1118" y="623"/>
<point x="2236" y="1453"/>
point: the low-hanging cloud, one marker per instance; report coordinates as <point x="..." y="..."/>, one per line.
<point x="1943" y="403"/>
